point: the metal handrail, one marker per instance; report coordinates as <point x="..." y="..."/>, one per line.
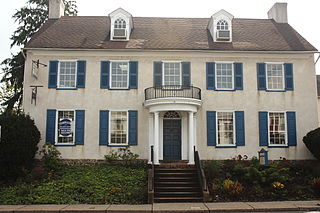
<point x="201" y="174"/>
<point x="172" y="91"/>
<point x="151" y="178"/>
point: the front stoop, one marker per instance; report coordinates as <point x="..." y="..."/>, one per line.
<point x="176" y="183"/>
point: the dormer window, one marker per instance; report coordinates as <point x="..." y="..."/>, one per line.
<point x="220" y="26"/>
<point x="121" y="25"/>
<point x="119" y="30"/>
<point x="223" y="32"/>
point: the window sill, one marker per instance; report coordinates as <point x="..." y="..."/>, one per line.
<point x="278" y="146"/>
<point x="226" y="146"/>
<point x="119" y="88"/>
<point x="66" y="88"/>
<point x="225" y="90"/>
<point x="270" y="90"/>
<point x="118" y="145"/>
<point x="65" y="144"/>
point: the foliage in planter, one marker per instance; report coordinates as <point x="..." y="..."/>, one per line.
<point x="312" y="142"/>
<point x="94" y="184"/>
<point x="123" y="154"/>
<point x="51" y="158"/>
<point x="18" y="145"/>
<point x="282" y="180"/>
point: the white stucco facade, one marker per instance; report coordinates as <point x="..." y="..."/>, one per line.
<point x="302" y="100"/>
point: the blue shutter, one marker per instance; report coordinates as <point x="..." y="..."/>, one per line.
<point x="238" y="76"/>
<point x="261" y="73"/>
<point x="292" y="134"/>
<point x="240" y="131"/>
<point x="186" y="74"/>
<point x="288" y="71"/>
<point x="263" y="128"/>
<point x="53" y="74"/>
<point x="157" y="74"/>
<point x="133" y="127"/>
<point x="81" y="74"/>
<point x="133" y="77"/>
<point x="104" y="127"/>
<point x="211" y="128"/>
<point x="79" y="133"/>
<point x="105" y="72"/>
<point x="210" y="67"/>
<point x="51" y="126"/>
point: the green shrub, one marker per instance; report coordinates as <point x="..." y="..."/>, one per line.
<point x="18" y="145"/>
<point x="124" y="154"/>
<point x="213" y="170"/>
<point x="51" y="157"/>
<point x="312" y="141"/>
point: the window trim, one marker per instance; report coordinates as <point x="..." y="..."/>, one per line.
<point x="283" y="75"/>
<point x="180" y="72"/>
<point x="286" y="130"/>
<point x="109" y="129"/>
<point x="234" y="130"/>
<point x="128" y="74"/>
<point x="76" y="74"/>
<point x="215" y="76"/>
<point x="73" y="129"/>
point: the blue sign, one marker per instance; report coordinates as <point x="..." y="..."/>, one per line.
<point x="65" y="127"/>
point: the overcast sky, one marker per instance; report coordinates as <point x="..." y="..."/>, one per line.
<point x="304" y="16"/>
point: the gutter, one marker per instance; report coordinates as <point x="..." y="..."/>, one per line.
<point x="317" y="58"/>
<point x="176" y="50"/>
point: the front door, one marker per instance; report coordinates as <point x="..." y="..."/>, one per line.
<point x="172" y="139"/>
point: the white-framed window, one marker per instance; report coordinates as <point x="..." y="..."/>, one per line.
<point x="225" y="128"/>
<point x="224" y="76"/>
<point x="118" y="134"/>
<point x="65" y="127"/>
<point x="119" y="74"/>
<point x="277" y="128"/>
<point x="120" y="23"/>
<point x="171" y="74"/>
<point x="275" y="76"/>
<point x="67" y="74"/>
<point x="222" y="25"/>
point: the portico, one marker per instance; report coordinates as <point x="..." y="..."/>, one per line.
<point x="172" y="127"/>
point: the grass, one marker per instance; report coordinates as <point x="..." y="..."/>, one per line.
<point x="94" y="184"/>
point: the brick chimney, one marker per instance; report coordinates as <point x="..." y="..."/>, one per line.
<point x="56" y="9"/>
<point x="278" y="12"/>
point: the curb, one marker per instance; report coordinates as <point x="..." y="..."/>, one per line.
<point x="284" y="206"/>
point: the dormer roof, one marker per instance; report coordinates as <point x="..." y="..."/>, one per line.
<point x="222" y="13"/>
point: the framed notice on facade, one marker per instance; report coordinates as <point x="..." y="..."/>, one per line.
<point x="65" y="127"/>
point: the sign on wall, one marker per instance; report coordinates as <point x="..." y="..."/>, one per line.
<point x="65" y="127"/>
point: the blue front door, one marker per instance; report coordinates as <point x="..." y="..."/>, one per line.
<point x="172" y="139"/>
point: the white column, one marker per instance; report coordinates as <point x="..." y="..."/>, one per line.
<point x="156" y="138"/>
<point x="191" y="138"/>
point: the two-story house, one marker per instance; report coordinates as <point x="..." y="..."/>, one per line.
<point x="222" y="85"/>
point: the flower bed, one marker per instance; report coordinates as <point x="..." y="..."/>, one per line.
<point x="247" y="180"/>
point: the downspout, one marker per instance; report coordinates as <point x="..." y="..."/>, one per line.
<point x="317" y="58"/>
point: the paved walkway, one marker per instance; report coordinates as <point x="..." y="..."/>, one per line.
<point x="281" y="206"/>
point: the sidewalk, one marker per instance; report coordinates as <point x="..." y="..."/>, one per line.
<point x="286" y="206"/>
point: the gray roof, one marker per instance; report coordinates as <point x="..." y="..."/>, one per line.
<point x="149" y="33"/>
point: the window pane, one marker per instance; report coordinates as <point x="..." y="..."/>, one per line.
<point x="67" y="73"/>
<point x="65" y="127"/>
<point x="224" y="76"/>
<point x="225" y="128"/>
<point x="275" y="76"/>
<point x="118" y="127"/>
<point x="119" y="74"/>
<point x="277" y="128"/>
<point x="172" y="74"/>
